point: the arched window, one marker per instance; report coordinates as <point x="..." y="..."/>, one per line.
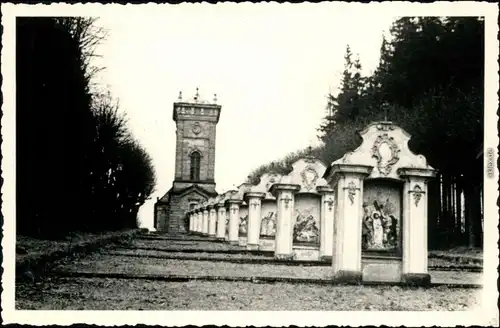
<point x="195" y="166"/>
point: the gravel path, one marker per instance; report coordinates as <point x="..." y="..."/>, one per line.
<point x="204" y="255"/>
<point x="143" y="265"/>
<point x="120" y="294"/>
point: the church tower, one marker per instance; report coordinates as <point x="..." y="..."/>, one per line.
<point x="196" y="122"/>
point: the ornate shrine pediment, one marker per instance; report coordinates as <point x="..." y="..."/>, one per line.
<point x="307" y="172"/>
<point x="266" y="181"/>
<point x="385" y="148"/>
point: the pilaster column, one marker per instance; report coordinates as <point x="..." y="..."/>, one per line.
<point x="415" y="225"/>
<point x="190" y="220"/>
<point x="327" y="217"/>
<point x="233" y="206"/>
<point x="285" y="195"/>
<point x="347" y="182"/>
<point x="254" y="200"/>
<point x="212" y="220"/>
<point x="221" y="221"/>
<point x="205" y="221"/>
<point x="199" y="221"/>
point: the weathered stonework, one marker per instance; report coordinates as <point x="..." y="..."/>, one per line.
<point x="196" y="132"/>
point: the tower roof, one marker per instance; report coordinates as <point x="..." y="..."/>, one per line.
<point x="188" y="106"/>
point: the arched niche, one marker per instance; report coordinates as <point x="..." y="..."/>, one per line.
<point x="382" y="217"/>
<point x="268" y="208"/>
<point x="306" y="219"/>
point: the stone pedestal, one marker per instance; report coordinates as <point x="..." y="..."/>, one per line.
<point x="347" y="182"/>
<point x="253" y="200"/>
<point x="327" y="217"/>
<point x="212" y="221"/>
<point x="221" y="221"/>
<point x="233" y="206"/>
<point x="285" y="194"/>
<point x="205" y="221"/>
<point x="414" y="269"/>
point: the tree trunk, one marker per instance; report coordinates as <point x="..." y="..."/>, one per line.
<point x="434" y="201"/>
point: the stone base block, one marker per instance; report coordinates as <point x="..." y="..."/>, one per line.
<point x="211" y="235"/>
<point x="221" y="239"/>
<point x="252" y="247"/>
<point x="306" y="253"/>
<point x="326" y="258"/>
<point x="348" y="277"/>
<point x="284" y="256"/>
<point x="267" y="244"/>
<point x="242" y="241"/>
<point x="416" y="279"/>
<point x="381" y="270"/>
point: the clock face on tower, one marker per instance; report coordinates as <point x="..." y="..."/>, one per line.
<point x="196" y="128"/>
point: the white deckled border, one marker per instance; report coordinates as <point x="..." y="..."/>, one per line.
<point x="484" y="316"/>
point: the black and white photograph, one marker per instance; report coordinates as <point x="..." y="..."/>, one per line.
<point x="265" y="164"/>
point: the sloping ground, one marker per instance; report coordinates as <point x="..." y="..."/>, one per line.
<point x="256" y="257"/>
<point x="113" y="264"/>
<point x="165" y="283"/>
<point x="460" y="255"/>
<point x="124" y="294"/>
<point x="35" y="256"/>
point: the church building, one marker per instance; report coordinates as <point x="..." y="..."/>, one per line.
<point x="196" y="122"/>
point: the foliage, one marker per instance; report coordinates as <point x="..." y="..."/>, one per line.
<point x="282" y="166"/>
<point x="78" y="166"/>
<point x="429" y="81"/>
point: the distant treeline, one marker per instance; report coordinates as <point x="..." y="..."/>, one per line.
<point x="78" y="168"/>
<point x="429" y="81"/>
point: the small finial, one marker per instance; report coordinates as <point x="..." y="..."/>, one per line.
<point x="180" y="96"/>
<point x="215" y="98"/>
<point x="197" y="95"/>
<point x="385" y="106"/>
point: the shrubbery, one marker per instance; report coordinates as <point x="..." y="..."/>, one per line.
<point x="78" y="166"/>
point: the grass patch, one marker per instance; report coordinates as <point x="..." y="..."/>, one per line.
<point x="35" y="256"/>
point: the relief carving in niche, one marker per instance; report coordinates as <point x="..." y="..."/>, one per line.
<point x="306" y="227"/>
<point x="309" y="177"/>
<point x="268" y="225"/>
<point x="386" y="152"/>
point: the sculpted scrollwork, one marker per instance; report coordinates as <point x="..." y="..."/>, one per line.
<point x="417" y="194"/>
<point x="309" y="177"/>
<point x="287" y="200"/>
<point x="329" y="202"/>
<point x="351" y="191"/>
<point x="254" y="203"/>
<point x="385" y="160"/>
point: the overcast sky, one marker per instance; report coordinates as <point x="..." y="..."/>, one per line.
<point x="270" y="68"/>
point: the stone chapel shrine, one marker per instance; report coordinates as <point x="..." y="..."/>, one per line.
<point x="365" y="213"/>
<point x="196" y="122"/>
